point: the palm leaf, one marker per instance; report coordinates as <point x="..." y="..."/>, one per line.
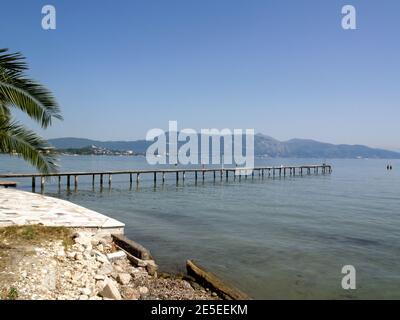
<point x="28" y="145"/>
<point x="23" y="93"/>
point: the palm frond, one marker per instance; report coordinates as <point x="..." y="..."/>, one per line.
<point x="16" y="138"/>
<point x="29" y="96"/>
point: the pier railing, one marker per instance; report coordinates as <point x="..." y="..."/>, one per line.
<point x="180" y="173"/>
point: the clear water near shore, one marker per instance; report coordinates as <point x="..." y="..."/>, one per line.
<point x="273" y="238"/>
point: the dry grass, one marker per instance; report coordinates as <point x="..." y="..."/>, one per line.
<point x="35" y="234"/>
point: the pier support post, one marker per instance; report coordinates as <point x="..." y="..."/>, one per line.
<point x="221" y="173"/>
<point x="227" y="174"/>
<point x="214" y="174"/>
<point x="75" y="181"/>
<point x="203" y="175"/>
<point x="137" y="178"/>
<point x="183" y="175"/>
<point x="41" y="182"/>
<point x="195" y="176"/>
<point x="101" y="180"/>
<point x="177" y="176"/>
<point x="93" y="178"/>
<point x="33" y="183"/>
<point x="109" y="179"/>
<point x="163" y="177"/>
<point x="68" y="181"/>
<point x="155" y="177"/>
<point x="130" y="179"/>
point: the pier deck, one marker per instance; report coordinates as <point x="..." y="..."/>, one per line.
<point x="180" y="173"/>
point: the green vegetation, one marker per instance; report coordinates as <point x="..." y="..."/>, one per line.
<point x="10" y="294"/>
<point x="30" y="97"/>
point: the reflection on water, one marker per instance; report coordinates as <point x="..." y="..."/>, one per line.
<point x="273" y="238"/>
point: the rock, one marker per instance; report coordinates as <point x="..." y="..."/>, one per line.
<point x="83" y="297"/>
<point x="100" y="257"/>
<point x="24" y="274"/>
<point x="144" y="291"/>
<point x="94" y="241"/>
<point x="116" y="255"/>
<point x="85" y="291"/>
<point x="83" y="240"/>
<point x="100" y="247"/>
<point x="151" y="267"/>
<point x="100" y="285"/>
<point x="110" y="291"/>
<point x="99" y="277"/>
<point x="71" y="254"/>
<point x="119" y="268"/>
<point x="78" y="256"/>
<point x="106" y="269"/>
<point x="61" y="253"/>
<point x="131" y="294"/>
<point x="124" y="278"/>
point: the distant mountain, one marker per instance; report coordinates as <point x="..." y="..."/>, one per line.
<point x="263" y="146"/>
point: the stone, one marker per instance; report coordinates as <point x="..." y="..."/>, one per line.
<point x="124" y="278"/>
<point x="116" y="255"/>
<point x="94" y="241"/>
<point x="118" y="268"/>
<point x="85" y="291"/>
<point x="83" y="297"/>
<point x="99" y="276"/>
<point x="71" y="254"/>
<point x="100" y="257"/>
<point x="110" y="291"/>
<point x="83" y="240"/>
<point x="131" y="294"/>
<point x="144" y="291"/>
<point x="78" y="256"/>
<point x="151" y="267"/>
<point x="106" y="269"/>
<point x="61" y="253"/>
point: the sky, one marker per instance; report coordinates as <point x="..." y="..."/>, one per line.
<point x="285" y="68"/>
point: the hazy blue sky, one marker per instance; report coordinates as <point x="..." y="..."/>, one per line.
<point x="284" y="68"/>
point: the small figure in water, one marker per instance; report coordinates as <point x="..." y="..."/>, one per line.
<point x="389" y="167"/>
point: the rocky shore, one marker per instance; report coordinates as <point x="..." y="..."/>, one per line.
<point x="84" y="265"/>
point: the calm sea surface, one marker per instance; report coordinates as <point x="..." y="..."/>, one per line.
<point x="273" y="238"/>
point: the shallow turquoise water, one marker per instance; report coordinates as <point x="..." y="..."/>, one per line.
<point x="273" y="238"/>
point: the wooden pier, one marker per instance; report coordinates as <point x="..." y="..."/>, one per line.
<point x="178" y="173"/>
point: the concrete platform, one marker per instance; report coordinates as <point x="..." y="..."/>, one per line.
<point x="22" y="208"/>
